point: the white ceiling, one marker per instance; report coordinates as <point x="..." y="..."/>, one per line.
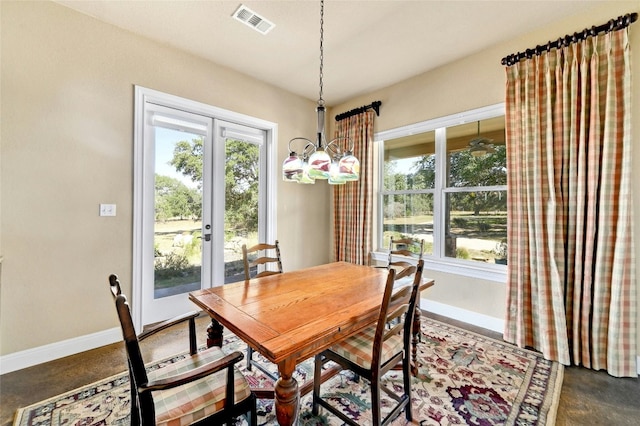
<point x="367" y="44"/>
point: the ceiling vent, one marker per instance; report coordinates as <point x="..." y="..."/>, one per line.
<point x="252" y="19"/>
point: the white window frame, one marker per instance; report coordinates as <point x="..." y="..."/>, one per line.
<point x="437" y="261"/>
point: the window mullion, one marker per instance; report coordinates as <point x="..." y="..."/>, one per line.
<point x="379" y="235"/>
<point x="439" y="196"/>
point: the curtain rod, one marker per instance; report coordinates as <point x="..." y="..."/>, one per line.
<point x="374" y="105"/>
<point x="613" y="25"/>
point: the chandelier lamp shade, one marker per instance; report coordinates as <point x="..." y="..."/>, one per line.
<point x="309" y="161"/>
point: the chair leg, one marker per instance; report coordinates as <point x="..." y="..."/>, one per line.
<point x="317" y="373"/>
<point x="249" y="357"/>
<point x="406" y="371"/>
<point x="253" y="420"/>
<point x="135" y="417"/>
<point x="135" y="412"/>
<point x="250" y="363"/>
<point x="375" y="399"/>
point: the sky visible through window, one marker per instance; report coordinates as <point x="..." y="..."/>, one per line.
<point x="406" y="165"/>
<point x="165" y="143"/>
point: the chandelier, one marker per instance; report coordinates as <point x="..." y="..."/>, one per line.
<point x="321" y="160"/>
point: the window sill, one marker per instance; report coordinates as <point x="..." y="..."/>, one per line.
<point x="484" y="271"/>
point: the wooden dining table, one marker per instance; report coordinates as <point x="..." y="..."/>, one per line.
<point x="295" y="315"/>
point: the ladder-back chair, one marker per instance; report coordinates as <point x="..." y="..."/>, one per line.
<point x="203" y="388"/>
<point x="411" y="249"/>
<point x="261" y="255"/>
<point x="258" y="256"/>
<point x="371" y="353"/>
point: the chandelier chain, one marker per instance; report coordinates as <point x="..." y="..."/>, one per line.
<point x="320" y="100"/>
<point x="321" y="160"/>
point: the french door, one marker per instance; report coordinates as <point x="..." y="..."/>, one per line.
<point x="202" y="192"/>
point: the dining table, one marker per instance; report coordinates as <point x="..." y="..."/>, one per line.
<point x="292" y="316"/>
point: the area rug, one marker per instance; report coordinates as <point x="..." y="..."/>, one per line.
<point x="464" y="379"/>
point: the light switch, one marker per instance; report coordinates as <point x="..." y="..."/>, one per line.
<point x="107" y="209"/>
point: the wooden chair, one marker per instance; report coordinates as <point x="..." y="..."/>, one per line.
<point x="253" y="258"/>
<point x="408" y="247"/>
<point x="371" y="353"/>
<point x="203" y="388"/>
<point x="257" y="255"/>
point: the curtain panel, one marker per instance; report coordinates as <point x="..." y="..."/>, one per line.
<point x="352" y="202"/>
<point x="571" y="288"/>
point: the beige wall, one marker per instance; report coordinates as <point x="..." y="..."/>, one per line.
<point x="67" y="143"/>
<point x="478" y="81"/>
<point x="67" y="146"/>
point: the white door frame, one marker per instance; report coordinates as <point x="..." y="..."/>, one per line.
<point x="144" y="95"/>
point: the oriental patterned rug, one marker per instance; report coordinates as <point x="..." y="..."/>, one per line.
<point x="464" y="379"/>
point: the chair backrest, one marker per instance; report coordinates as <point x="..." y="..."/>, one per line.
<point x="407" y="247"/>
<point x="137" y="371"/>
<point x="396" y="313"/>
<point x="261" y="254"/>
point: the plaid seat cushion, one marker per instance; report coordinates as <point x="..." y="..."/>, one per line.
<point x="191" y="402"/>
<point x="359" y="347"/>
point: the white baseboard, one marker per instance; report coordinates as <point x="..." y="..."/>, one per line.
<point x="52" y="351"/>
<point x="470" y="317"/>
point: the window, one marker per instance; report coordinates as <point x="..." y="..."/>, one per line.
<point x="445" y="181"/>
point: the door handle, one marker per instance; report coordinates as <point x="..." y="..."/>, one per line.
<point x="207" y="237"/>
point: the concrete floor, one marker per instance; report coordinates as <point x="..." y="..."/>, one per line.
<point x="587" y="398"/>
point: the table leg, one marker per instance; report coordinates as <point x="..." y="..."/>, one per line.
<point x="287" y="394"/>
<point x="214" y="334"/>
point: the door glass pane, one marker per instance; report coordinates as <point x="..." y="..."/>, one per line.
<point x="408" y="215"/>
<point x="178" y="212"/>
<point x="242" y="166"/>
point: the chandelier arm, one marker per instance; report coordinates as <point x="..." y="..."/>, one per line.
<point x="305" y="146"/>
<point x="346" y="138"/>
<point x="334" y="149"/>
<point x="309" y="149"/>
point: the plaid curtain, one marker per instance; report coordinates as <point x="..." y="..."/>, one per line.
<point x="352" y="202"/>
<point x="571" y="290"/>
